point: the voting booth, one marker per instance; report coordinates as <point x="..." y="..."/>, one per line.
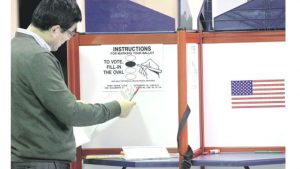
<point x="167" y="69"/>
<point x="185" y="73"/>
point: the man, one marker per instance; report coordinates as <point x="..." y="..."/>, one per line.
<point x="44" y="111"/>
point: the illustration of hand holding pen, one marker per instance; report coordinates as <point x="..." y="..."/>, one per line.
<point x="149" y="65"/>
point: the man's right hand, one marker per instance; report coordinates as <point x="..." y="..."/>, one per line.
<point x="126" y="107"/>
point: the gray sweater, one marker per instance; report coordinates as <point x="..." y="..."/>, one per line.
<point x="43" y="110"/>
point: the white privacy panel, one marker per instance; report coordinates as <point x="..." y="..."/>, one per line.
<point x="154" y="120"/>
<point x="250" y="125"/>
<point x="193" y="95"/>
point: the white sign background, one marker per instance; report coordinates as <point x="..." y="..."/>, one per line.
<point x="139" y="65"/>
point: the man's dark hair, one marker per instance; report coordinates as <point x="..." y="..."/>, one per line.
<point x="56" y="12"/>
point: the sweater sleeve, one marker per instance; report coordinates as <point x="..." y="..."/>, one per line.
<point x="49" y="87"/>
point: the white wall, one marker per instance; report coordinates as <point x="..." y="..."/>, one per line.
<point x="14" y="17"/>
<point x="5" y="136"/>
<point x="195" y="6"/>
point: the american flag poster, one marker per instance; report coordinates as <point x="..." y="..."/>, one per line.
<point x="264" y="93"/>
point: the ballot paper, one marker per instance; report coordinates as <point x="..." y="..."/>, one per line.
<point x="145" y="152"/>
<point x="105" y="156"/>
<point x="83" y="135"/>
<point x="129" y="91"/>
<point x="138" y="153"/>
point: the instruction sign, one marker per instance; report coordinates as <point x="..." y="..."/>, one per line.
<point x="138" y="65"/>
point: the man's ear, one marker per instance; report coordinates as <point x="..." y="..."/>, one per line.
<point x="55" y="28"/>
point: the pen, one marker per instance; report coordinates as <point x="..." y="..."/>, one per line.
<point x="136" y="90"/>
<point x="268" y="152"/>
